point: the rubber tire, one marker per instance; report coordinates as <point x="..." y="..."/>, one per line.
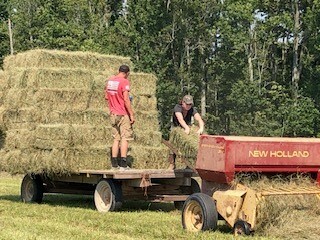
<point x="31" y="189"/>
<point x="241" y="228"/>
<point x="202" y="206"/>
<point x="193" y="188"/>
<point x="108" y="196"/>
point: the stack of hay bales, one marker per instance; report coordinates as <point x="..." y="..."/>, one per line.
<point x="55" y="116"/>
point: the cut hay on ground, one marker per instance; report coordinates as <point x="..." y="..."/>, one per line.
<point x="56" y="119"/>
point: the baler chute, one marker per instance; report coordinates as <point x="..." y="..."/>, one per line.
<point x="221" y="158"/>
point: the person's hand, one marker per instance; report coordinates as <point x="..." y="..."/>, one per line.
<point x="187" y="130"/>
<point x="132" y="120"/>
<point x="200" y="131"/>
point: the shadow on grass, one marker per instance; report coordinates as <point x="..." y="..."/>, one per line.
<point x="86" y="201"/>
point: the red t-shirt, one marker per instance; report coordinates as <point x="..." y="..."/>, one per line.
<point x="115" y="87"/>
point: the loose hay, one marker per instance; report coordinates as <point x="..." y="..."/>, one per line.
<point x="285" y="216"/>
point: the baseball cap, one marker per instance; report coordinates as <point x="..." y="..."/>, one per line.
<point x="188" y="99"/>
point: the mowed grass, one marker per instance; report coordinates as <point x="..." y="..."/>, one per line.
<point x="75" y="217"/>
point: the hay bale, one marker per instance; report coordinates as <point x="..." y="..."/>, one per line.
<point x="26" y="118"/>
<point x="143" y="83"/>
<point x="66" y="160"/>
<point x="44" y="58"/>
<point x="56" y="78"/>
<point x="19" y="139"/>
<point x="69" y="99"/>
<point x="3" y="86"/>
<point x="186" y="144"/>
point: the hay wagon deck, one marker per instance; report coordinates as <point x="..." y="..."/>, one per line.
<point x="111" y="188"/>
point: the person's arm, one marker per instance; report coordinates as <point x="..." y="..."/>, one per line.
<point x="127" y="104"/>
<point x="201" y="123"/>
<point x="182" y="122"/>
<point x="106" y="94"/>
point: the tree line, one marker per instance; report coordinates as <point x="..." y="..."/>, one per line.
<point x="252" y="66"/>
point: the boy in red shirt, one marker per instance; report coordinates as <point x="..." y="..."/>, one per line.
<point x="121" y="114"/>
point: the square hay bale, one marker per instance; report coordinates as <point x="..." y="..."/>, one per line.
<point x="3" y="80"/>
<point x="144" y="102"/>
<point x="70" y="160"/>
<point x="89" y="116"/>
<point x="148" y="138"/>
<point x="187" y="145"/>
<point x="53" y="78"/>
<point x="19" y="139"/>
<point x="19" y="98"/>
<point x="50" y="136"/>
<point x="140" y="83"/>
<point x="148" y="157"/>
<point x="69" y="99"/>
<point x="146" y="120"/>
<point x="143" y="84"/>
<point x="26" y="118"/>
<point x="43" y="58"/>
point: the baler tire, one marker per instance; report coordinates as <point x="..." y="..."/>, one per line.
<point x="241" y="228"/>
<point x="108" y="196"/>
<point x="31" y="189"/>
<point x="199" y="213"/>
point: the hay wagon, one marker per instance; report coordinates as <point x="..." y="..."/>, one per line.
<point x="110" y="188"/>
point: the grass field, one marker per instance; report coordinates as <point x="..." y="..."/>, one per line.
<point x="75" y="217"/>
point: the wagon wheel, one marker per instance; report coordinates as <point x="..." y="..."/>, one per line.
<point x="32" y="189"/>
<point x="108" y="196"/>
<point x="193" y="188"/>
<point x="199" y="213"/>
<point x="241" y="228"/>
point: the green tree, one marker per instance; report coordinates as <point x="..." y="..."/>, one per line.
<point x="4" y="38"/>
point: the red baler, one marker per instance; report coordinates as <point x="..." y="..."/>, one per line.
<point x="220" y="158"/>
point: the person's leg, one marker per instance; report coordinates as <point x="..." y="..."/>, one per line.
<point x="116" y="141"/>
<point x="124" y="148"/>
<point x="126" y="135"/>
<point x="115" y="153"/>
<point x="172" y="161"/>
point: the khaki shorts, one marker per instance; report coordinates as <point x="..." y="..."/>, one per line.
<point x="121" y="127"/>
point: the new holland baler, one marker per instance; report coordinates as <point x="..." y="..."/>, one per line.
<point x="221" y="158"/>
